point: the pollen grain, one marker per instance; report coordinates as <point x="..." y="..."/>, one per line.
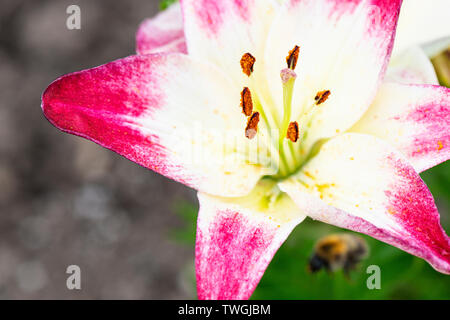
<point x="252" y="126"/>
<point x="292" y="58"/>
<point x="246" y="102"/>
<point x="247" y="63"/>
<point x="293" y="132"/>
<point x="322" y="96"/>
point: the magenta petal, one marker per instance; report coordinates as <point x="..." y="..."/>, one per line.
<point x="162" y="33"/>
<point x="413" y="118"/>
<point x="233" y="249"/>
<point x="145" y="107"/>
<point x="361" y="183"/>
<point x="104" y="104"/>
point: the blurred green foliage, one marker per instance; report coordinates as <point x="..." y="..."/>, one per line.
<point x="403" y="276"/>
<point x="442" y="65"/>
<point x="164" y="4"/>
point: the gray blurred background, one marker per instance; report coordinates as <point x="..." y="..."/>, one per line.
<point x="64" y="200"/>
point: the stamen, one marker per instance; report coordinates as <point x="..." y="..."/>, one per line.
<point x="322" y="96"/>
<point x="252" y="126"/>
<point x="292" y="58"/>
<point x="247" y="63"/>
<point x="293" y="132"/>
<point x="246" y="102"/>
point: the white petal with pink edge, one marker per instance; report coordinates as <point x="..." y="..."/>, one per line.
<point x="221" y="31"/>
<point x="165" y="112"/>
<point x="413" y="118"/>
<point x="361" y="183"/>
<point x="162" y="33"/>
<point x="344" y="47"/>
<point x="237" y="238"/>
<point x="412" y="66"/>
<point x="422" y="22"/>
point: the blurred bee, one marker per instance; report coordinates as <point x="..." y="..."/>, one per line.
<point x="338" y="251"/>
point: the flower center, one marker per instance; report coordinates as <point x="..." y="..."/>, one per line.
<point x="290" y="132"/>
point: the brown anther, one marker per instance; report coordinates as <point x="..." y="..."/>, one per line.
<point x="322" y="96"/>
<point x="252" y="126"/>
<point x="293" y="132"/>
<point x="247" y="63"/>
<point x="246" y="102"/>
<point x="292" y="58"/>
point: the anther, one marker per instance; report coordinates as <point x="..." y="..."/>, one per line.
<point x="247" y="63"/>
<point x="252" y="126"/>
<point x="322" y="96"/>
<point x="246" y="102"/>
<point x="292" y="58"/>
<point x="293" y="132"/>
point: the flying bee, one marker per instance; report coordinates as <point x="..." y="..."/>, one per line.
<point x="338" y="251"/>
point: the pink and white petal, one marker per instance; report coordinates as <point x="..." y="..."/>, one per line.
<point x="363" y="184"/>
<point x="422" y="22"/>
<point x="412" y="66"/>
<point x="236" y="240"/>
<point x="221" y="31"/>
<point x="164" y="112"/>
<point x="345" y="48"/>
<point x="413" y="118"/>
<point x="162" y="33"/>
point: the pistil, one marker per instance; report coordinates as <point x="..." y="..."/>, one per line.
<point x="288" y="77"/>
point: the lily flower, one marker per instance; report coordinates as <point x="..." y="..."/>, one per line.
<point x="296" y="115"/>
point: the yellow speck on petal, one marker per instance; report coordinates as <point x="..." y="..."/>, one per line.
<point x="322" y="189"/>
<point x="303" y="183"/>
<point x="440" y="145"/>
<point x="352" y="158"/>
<point x="309" y="175"/>
<point x="391" y="211"/>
